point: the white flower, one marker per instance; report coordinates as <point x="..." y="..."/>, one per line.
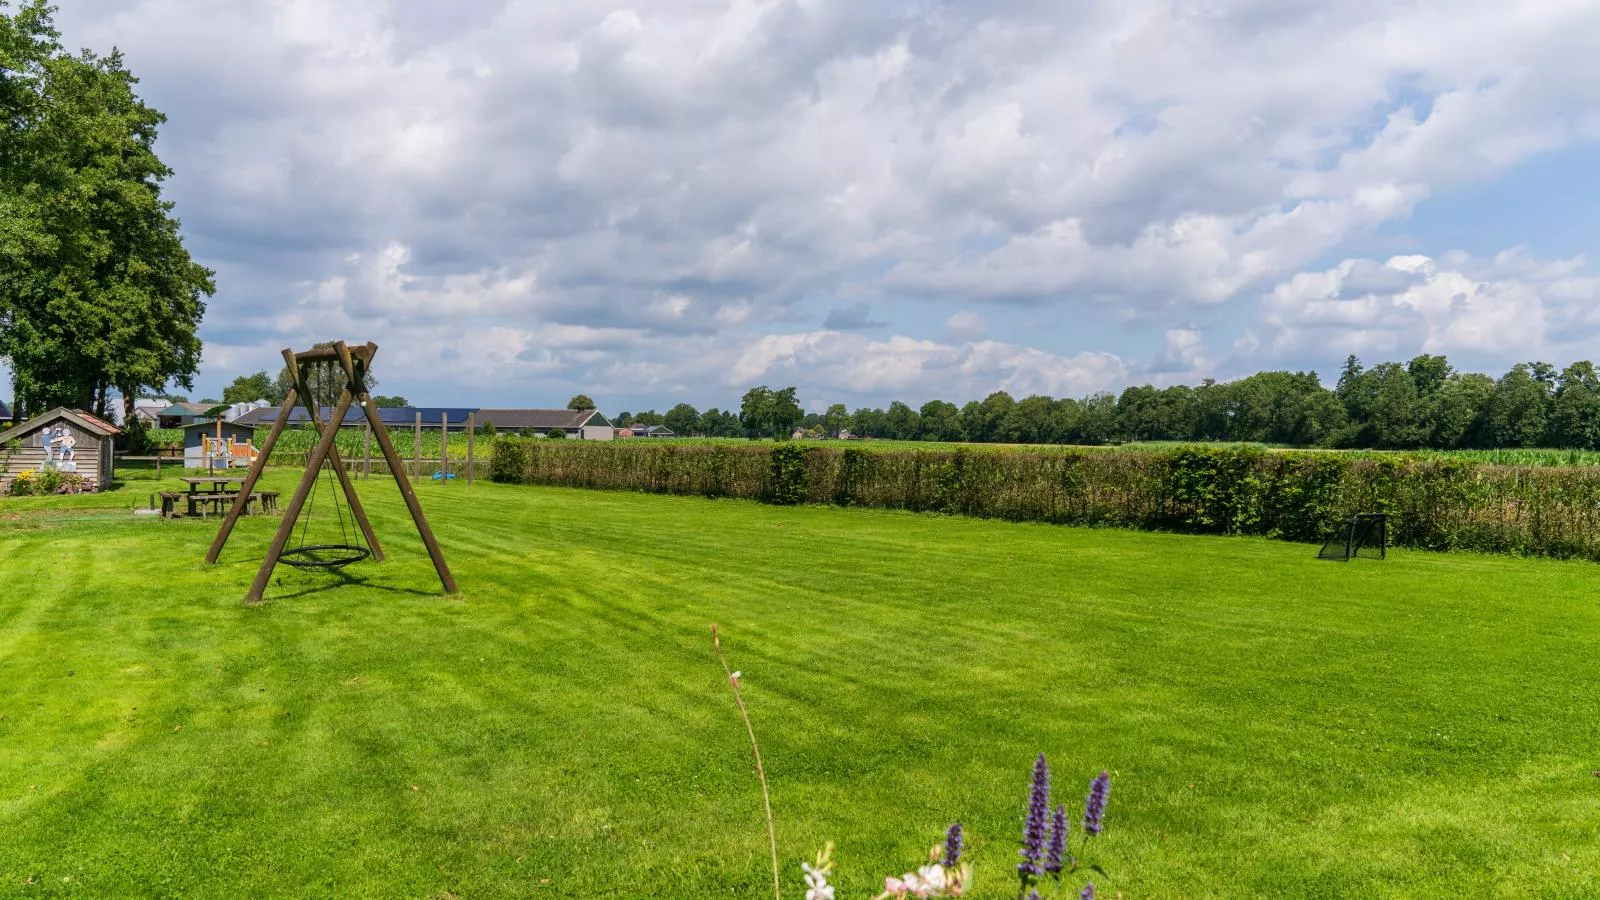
<point x="932" y="877"/>
<point x="817" y="886"/>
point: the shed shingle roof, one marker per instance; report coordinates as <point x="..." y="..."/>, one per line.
<point x="83" y="420"/>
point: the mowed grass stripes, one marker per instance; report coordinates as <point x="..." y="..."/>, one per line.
<point x="1275" y="725"/>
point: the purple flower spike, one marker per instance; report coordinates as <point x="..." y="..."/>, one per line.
<point x="1094" y="806"/>
<point x="1055" y="857"/>
<point x="1033" y="829"/>
<point x="1088" y="892"/>
<point x="952" y="846"/>
<point x="1034" y="895"/>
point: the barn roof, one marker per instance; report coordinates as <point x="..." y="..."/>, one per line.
<point x="187" y="409"/>
<point x="539" y="418"/>
<point x="81" y="419"/>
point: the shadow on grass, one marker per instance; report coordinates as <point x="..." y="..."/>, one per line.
<point x="336" y="579"/>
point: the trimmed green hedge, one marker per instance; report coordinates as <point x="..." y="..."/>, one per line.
<point x="1438" y="503"/>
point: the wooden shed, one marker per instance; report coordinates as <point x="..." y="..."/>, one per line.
<point x="63" y="439"/>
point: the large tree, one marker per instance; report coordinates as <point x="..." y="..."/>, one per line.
<point x="96" y="288"/>
<point x="765" y="412"/>
<point x="835" y="420"/>
<point x="683" y="420"/>
<point x="250" y="388"/>
<point x="1519" y="408"/>
<point x="941" y="421"/>
<point x="1575" y="415"/>
<point x="903" y="421"/>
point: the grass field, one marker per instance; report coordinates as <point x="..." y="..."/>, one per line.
<point x="1275" y="726"/>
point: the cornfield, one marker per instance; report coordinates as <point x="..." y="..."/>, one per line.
<point x="295" y="443"/>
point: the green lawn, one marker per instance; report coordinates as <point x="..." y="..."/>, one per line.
<point x="1275" y="726"/>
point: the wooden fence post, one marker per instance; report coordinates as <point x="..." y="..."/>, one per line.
<point x="472" y="427"/>
<point x="416" y="451"/>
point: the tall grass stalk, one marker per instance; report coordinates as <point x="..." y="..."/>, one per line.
<point x="761" y="771"/>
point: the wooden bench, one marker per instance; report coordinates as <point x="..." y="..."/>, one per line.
<point x="219" y="502"/>
<point x="215" y="502"/>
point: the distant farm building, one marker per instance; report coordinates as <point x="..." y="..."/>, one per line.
<point x="584" y="424"/>
<point x="177" y="415"/>
<point x="649" y="431"/>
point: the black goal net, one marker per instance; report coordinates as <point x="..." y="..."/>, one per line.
<point x="1365" y="535"/>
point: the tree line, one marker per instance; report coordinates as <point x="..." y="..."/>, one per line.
<point x="97" y="292"/>
<point x="1423" y="403"/>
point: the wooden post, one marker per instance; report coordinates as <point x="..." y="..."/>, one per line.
<point x="308" y="480"/>
<point x="366" y="451"/>
<point x="472" y="428"/>
<point x="254" y="475"/>
<point x="444" y="446"/>
<point x="416" y="449"/>
<point x="158" y="465"/>
<point x="447" y="579"/>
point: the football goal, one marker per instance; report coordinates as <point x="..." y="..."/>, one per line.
<point x="1362" y="535"/>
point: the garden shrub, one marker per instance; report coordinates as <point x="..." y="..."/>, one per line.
<point x="1435" y="503"/>
<point x="1215" y="489"/>
<point x="508" y="462"/>
<point x="43" y="482"/>
<point x="787" y="475"/>
<point x="855" y="474"/>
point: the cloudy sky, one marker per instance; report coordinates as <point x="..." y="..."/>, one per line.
<point x="674" y="200"/>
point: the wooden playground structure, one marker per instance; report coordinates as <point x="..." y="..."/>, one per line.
<point x="348" y="365"/>
<point x="227" y="453"/>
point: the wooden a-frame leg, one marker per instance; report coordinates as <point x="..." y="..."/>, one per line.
<point x="395" y="466"/>
<point x="257" y="467"/>
<point x="308" y="480"/>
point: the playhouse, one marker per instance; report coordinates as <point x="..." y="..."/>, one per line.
<point x="218" y="445"/>
<point x="65" y="440"/>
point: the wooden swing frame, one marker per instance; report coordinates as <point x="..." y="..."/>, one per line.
<point x="355" y="363"/>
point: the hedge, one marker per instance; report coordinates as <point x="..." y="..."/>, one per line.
<point x="1436" y="503"/>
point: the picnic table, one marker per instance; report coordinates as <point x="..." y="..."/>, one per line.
<point x="211" y="490"/>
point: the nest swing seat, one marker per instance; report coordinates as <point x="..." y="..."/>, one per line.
<point x="323" y="556"/>
<point x="332" y="556"/>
